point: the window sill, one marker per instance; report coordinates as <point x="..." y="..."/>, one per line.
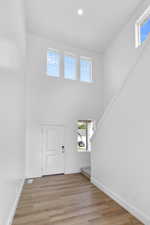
<point x="84" y="151"/>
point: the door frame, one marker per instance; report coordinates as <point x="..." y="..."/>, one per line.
<point x="42" y="126"/>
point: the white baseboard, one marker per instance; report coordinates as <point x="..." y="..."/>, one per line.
<point x="67" y="172"/>
<point x="131" y="209"/>
<point x="13" y="211"/>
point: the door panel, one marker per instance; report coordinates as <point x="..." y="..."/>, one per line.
<point x="53" y="156"/>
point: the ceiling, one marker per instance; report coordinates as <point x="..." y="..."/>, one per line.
<point x="58" y="20"/>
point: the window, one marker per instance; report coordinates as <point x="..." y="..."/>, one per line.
<point x="85" y="70"/>
<point x="85" y="131"/>
<point x="53" y="63"/>
<point x="145" y="30"/>
<point x="142" y="28"/>
<point x="69" y="67"/>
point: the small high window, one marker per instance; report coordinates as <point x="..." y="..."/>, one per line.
<point x="53" y="63"/>
<point x="70" y="67"/>
<point x="85" y="70"/>
<point x="142" y="28"/>
<point x="145" y="30"/>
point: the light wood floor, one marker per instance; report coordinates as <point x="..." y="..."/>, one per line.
<point x="68" y="200"/>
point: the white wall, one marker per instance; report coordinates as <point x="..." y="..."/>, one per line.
<point x="58" y="101"/>
<point x="12" y="131"/>
<point x="120" y="162"/>
<point x="120" y="57"/>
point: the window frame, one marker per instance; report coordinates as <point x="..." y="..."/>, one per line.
<point x="88" y="144"/>
<point x="76" y="64"/>
<point x="91" y="76"/>
<point x="139" y="22"/>
<point x="59" y="67"/>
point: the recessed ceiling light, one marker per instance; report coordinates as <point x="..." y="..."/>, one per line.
<point x="80" y="12"/>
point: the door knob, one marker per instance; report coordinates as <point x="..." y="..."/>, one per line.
<point x="63" y="148"/>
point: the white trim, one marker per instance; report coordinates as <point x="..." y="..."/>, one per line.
<point x="78" y="149"/>
<point x="130" y="208"/>
<point x="138" y="24"/>
<point x="91" y="75"/>
<point x="144" y="15"/>
<point x="53" y="50"/>
<point x="70" y="54"/>
<point x="72" y="171"/>
<point x="59" y="62"/>
<point x="137" y="35"/>
<point x="13" y="211"/>
<point x="74" y="57"/>
<point x="43" y="125"/>
<point x="83" y="151"/>
<point x="86" y="58"/>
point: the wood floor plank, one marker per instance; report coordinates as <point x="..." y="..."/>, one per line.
<point x="68" y="200"/>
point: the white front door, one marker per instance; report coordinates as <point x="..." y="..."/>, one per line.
<point x="53" y="150"/>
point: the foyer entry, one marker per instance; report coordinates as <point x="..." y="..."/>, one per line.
<point x="53" y="150"/>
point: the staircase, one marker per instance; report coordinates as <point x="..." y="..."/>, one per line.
<point x="121" y="143"/>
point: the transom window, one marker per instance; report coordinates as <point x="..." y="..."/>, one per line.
<point x="85" y="70"/>
<point x="53" y="63"/>
<point x="70" y="67"/>
<point x="142" y="28"/>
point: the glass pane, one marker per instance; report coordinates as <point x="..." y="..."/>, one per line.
<point x="85" y="70"/>
<point x="82" y="136"/>
<point x="53" y="59"/>
<point x="145" y="30"/>
<point x="70" y="67"/>
<point x="85" y="131"/>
